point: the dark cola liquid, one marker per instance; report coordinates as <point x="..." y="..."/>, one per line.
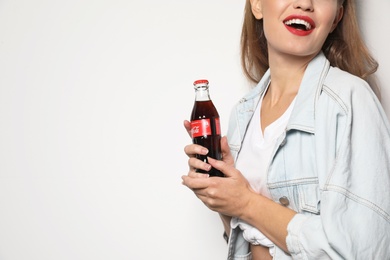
<point x="206" y="131"/>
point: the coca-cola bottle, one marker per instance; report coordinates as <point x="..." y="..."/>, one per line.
<point x="205" y="125"/>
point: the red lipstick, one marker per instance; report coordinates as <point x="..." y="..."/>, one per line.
<point x="299" y="25"/>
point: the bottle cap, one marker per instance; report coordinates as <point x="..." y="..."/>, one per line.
<point x="201" y="82"/>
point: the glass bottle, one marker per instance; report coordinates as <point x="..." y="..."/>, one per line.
<point x="205" y="125"/>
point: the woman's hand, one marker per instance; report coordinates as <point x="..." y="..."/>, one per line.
<point x="191" y="151"/>
<point x="228" y="195"/>
<point x="233" y="196"/>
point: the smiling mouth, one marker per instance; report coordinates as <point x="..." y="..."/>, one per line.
<point x="299" y="24"/>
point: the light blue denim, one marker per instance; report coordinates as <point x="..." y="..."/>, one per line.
<point x="332" y="164"/>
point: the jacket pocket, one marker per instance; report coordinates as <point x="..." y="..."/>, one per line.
<point x="308" y="198"/>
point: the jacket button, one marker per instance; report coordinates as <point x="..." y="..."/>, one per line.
<point x="284" y="201"/>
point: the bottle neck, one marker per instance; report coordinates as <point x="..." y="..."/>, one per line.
<point x="202" y="94"/>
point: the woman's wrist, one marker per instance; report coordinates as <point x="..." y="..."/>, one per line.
<point x="254" y="201"/>
<point x="269" y="217"/>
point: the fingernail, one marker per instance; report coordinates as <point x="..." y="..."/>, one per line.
<point x="205" y="151"/>
<point x="208" y="167"/>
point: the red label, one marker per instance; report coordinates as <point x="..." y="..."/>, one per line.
<point x="202" y="127"/>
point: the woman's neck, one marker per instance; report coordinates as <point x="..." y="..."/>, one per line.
<point x="286" y="74"/>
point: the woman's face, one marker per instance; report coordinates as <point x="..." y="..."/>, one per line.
<point x="297" y="27"/>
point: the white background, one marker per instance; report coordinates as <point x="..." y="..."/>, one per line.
<point x="92" y="98"/>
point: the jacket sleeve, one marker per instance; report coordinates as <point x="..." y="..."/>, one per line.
<point x="354" y="221"/>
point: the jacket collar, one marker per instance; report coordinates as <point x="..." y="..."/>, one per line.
<point x="258" y="90"/>
<point x="303" y="114"/>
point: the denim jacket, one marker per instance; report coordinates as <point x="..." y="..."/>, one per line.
<point x="331" y="166"/>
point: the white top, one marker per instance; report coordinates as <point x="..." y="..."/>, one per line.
<point x="253" y="162"/>
<point x="257" y="149"/>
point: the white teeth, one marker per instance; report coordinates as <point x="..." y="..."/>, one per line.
<point x="298" y="21"/>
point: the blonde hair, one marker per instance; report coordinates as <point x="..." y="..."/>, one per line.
<point x="344" y="47"/>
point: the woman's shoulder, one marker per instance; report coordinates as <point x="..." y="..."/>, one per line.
<point x="345" y="85"/>
<point x="352" y="95"/>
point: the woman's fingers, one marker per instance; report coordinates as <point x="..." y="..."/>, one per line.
<point x="193" y="149"/>
<point x="196" y="181"/>
<point x="224" y="167"/>
<point x="195" y="163"/>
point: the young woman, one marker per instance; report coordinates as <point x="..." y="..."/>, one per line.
<point x="307" y="155"/>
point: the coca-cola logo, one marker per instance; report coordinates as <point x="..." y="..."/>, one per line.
<point x="200" y="128"/>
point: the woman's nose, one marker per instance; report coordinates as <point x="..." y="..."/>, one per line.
<point x="304" y="5"/>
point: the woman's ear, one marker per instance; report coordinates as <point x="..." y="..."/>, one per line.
<point x="338" y="18"/>
<point x="256" y="9"/>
